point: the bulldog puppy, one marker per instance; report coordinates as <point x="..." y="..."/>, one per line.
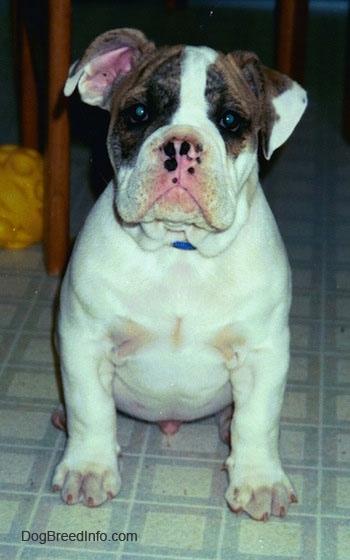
<point x="175" y="301"/>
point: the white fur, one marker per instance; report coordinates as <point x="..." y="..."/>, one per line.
<point x="193" y="108"/>
<point x="165" y="334"/>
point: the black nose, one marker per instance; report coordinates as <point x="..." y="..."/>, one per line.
<point x="169" y="149"/>
<point x="174" y="149"/>
<point x="170" y="164"/>
<point x="184" y="148"/>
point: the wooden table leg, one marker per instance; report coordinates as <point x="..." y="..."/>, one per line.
<point x="57" y="176"/>
<point x="292" y="21"/>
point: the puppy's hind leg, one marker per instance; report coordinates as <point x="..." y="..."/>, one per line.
<point x="59" y="419"/>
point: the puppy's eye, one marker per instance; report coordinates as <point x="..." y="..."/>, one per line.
<point x="138" y="114"/>
<point x="231" y="121"/>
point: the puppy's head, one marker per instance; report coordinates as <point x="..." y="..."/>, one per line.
<point x="184" y="130"/>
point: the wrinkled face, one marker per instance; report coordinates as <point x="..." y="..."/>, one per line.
<point x="183" y="139"/>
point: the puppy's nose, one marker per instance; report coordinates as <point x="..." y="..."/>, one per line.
<point x="183" y="151"/>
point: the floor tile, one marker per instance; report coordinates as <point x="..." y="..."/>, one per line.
<point x="171" y="505"/>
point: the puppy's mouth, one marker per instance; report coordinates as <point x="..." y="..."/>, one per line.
<point x="178" y="197"/>
<point x="175" y="205"/>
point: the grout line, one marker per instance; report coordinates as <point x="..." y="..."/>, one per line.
<point x="324" y="164"/>
<point x="221" y="534"/>
<point x="133" y="493"/>
<point x="180" y="505"/>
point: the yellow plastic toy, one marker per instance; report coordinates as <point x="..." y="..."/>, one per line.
<point x="21" y="197"/>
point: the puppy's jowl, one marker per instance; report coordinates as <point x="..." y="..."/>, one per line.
<point x="175" y="302"/>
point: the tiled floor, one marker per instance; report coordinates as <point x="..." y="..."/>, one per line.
<point x="172" y="494"/>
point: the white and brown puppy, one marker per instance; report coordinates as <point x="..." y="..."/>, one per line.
<point x="175" y="302"/>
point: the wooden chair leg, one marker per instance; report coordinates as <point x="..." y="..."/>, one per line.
<point x="292" y="19"/>
<point x="57" y="177"/>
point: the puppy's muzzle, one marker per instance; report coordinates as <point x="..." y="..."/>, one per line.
<point x="179" y="179"/>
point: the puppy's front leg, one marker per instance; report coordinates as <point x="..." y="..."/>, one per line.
<point x="257" y="482"/>
<point x="88" y="471"/>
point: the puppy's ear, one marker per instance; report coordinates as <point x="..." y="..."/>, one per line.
<point x="109" y="57"/>
<point x="282" y="101"/>
<point x="286" y="102"/>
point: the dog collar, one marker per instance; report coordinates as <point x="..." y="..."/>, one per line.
<point x="183" y="245"/>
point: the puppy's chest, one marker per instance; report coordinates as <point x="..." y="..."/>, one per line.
<point x="179" y="312"/>
<point x="178" y="289"/>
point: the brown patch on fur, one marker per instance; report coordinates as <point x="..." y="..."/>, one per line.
<point x="227" y="342"/>
<point x="176" y="334"/>
<point x="276" y="83"/>
<point x="154" y="63"/>
<point x="228" y="89"/>
<point x="154" y="82"/>
<point x="250" y="87"/>
<point x="131" y="337"/>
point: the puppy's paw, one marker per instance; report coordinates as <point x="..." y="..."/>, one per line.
<point x="260" y="497"/>
<point x="90" y="483"/>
